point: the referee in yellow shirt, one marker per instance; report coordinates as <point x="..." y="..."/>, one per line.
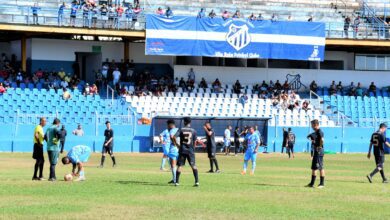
<point x="38" y="149"/>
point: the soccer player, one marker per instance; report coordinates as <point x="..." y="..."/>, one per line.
<point x="108" y="145"/>
<point x="290" y="143"/>
<point x="318" y="154"/>
<point x="165" y="141"/>
<point x="285" y="138"/>
<point x="52" y="137"/>
<point x="226" y="139"/>
<point x="253" y="143"/>
<point x="236" y="140"/>
<point x="62" y="139"/>
<point x="173" y="152"/>
<point x="378" y="140"/>
<point x="186" y="149"/>
<point x="77" y="156"/>
<point x="211" y="147"/>
<point x="38" y="150"/>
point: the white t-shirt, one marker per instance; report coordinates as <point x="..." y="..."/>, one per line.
<point x="64" y="84"/>
<point x="116" y="74"/>
<point x="227" y="134"/>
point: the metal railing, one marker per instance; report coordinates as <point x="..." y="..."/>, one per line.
<point x="110" y="95"/>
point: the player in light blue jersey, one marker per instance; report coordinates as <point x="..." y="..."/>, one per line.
<point x="253" y="143"/>
<point x="77" y="156"/>
<point x="173" y="153"/>
<point x="165" y="141"/>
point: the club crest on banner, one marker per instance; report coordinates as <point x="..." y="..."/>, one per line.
<point x="238" y="36"/>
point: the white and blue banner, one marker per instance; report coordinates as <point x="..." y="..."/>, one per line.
<point x="234" y="38"/>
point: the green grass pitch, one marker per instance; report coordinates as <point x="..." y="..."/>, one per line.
<point x="136" y="189"/>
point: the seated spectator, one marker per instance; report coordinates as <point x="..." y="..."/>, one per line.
<point x="359" y="90"/>
<point x="2" y="89"/>
<point x="237" y="14"/>
<point x="264" y="86"/>
<point x="332" y="89"/>
<point x="237" y="87"/>
<point x="19" y="77"/>
<point x="87" y="90"/>
<point x="278" y="86"/>
<point x="212" y="14"/>
<point x="372" y="88"/>
<point x="61" y="73"/>
<point x="203" y="84"/>
<point x="274" y="17"/>
<point x="201" y="13"/>
<point x="216" y="86"/>
<point x="313" y="86"/>
<point x="79" y="131"/>
<point x="339" y="87"/>
<point x="66" y="95"/>
<point x="252" y="17"/>
<point x="39" y="73"/>
<point x="93" y="90"/>
<point x="190" y="85"/>
<point x="64" y="84"/>
<point x="260" y="17"/>
<point x="225" y="15"/>
<point x="182" y="83"/>
<point x="293" y="96"/>
<point x="286" y="86"/>
<point x="169" y="13"/>
<point x="351" y="90"/>
<point x="305" y="105"/>
<point x="271" y="85"/>
<point x="160" y="11"/>
<point x="275" y="102"/>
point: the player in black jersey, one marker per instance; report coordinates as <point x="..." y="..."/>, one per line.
<point x="188" y="140"/>
<point x="211" y="147"/>
<point x="290" y="143"/>
<point x="378" y="140"/>
<point x="318" y="155"/>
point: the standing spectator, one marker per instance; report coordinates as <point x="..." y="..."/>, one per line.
<point x="160" y="11"/>
<point x="38" y="150"/>
<point x="168" y="13"/>
<point x="134" y="19"/>
<point x="201" y="13"/>
<point x="95" y="12"/>
<point x="85" y="9"/>
<point x="62" y="138"/>
<point x="35" y="10"/>
<point x="356" y="23"/>
<point x="111" y="16"/>
<point x="117" y="75"/>
<point x="191" y="75"/>
<point x="347" y="22"/>
<point x="78" y="131"/>
<point x="212" y="14"/>
<point x="339" y="87"/>
<point x="129" y="17"/>
<point x="119" y="13"/>
<point x="73" y="13"/>
<point x="52" y="137"/>
<point x="61" y="14"/>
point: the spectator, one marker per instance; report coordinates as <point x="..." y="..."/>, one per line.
<point x="119" y="13"/>
<point x="372" y="88"/>
<point x="289" y="18"/>
<point x="310" y="19"/>
<point x="359" y="90"/>
<point x="2" y="89"/>
<point x="252" y="17"/>
<point x="347" y="22"/>
<point x="64" y="84"/>
<point x="275" y="102"/>
<point x="212" y="14"/>
<point x="95" y="12"/>
<point x="352" y="90"/>
<point x="339" y="87"/>
<point x="85" y="9"/>
<point x="278" y="86"/>
<point x="201" y="13"/>
<point x="332" y="89"/>
<point x="286" y="86"/>
<point x="191" y="75"/>
<point x="35" y="10"/>
<point x="93" y="90"/>
<point x="136" y="12"/>
<point x="129" y="16"/>
<point x="117" y="75"/>
<point x="264" y="87"/>
<point x="237" y="14"/>
<point x="182" y="84"/>
<point x="61" y="14"/>
<point x="66" y="95"/>
<point x="78" y="131"/>
<point x="260" y="17"/>
<point x="203" y="84"/>
<point x="305" y="105"/>
<point x="160" y="11"/>
<point x="356" y="23"/>
<point x="19" y="77"/>
<point x="271" y="85"/>
<point x="243" y="100"/>
<point x="225" y="15"/>
<point x="314" y="86"/>
<point x="169" y="13"/>
<point x="237" y="87"/>
<point x="73" y="13"/>
<point x="111" y="16"/>
<point x="216" y="86"/>
<point x="87" y="90"/>
<point x="274" y="17"/>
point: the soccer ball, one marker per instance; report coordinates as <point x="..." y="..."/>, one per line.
<point x="68" y="177"/>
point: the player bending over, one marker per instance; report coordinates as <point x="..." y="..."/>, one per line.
<point x="77" y="156"/>
<point x="173" y="152"/>
<point x="186" y="149"/>
<point x="317" y="138"/>
<point x="378" y="140"/>
<point x="253" y="143"/>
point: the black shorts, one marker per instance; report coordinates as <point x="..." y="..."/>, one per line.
<point x="211" y="153"/>
<point x="291" y="147"/>
<point x="38" y="152"/>
<point x="317" y="163"/>
<point x="72" y="16"/>
<point x="108" y="150"/>
<point x="237" y="144"/>
<point x="379" y="161"/>
<point x="183" y="157"/>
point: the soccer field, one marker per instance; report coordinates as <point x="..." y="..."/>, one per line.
<point x="137" y="189"/>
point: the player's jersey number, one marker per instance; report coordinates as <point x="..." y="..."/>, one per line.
<point x="187" y="137"/>
<point x="375" y="140"/>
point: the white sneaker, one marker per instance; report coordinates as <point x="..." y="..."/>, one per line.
<point x="81" y="178"/>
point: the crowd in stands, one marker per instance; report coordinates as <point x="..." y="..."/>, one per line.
<point x="351" y="90"/>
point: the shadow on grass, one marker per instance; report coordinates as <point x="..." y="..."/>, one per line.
<point x="143" y="183"/>
<point x="279" y="185"/>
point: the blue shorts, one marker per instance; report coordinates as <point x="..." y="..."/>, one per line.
<point x="165" y="150"/>
<point x="226" y="143"/>
<point x="173" y="154"/>
<point x="249" y="155"/>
